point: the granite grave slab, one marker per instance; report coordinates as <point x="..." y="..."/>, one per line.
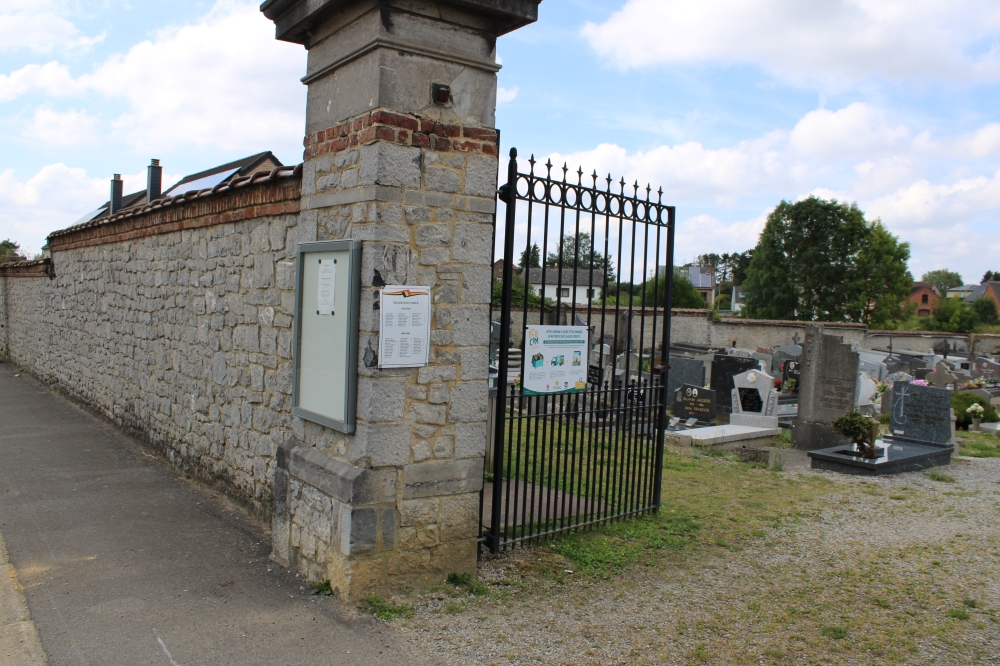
<point x="724" y="368"/>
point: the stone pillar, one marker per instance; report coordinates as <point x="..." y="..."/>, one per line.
<point x="401" y="153"/>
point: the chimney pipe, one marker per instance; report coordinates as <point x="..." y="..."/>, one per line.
<point x="154" y="181"/>
<point x="116" y="194"/>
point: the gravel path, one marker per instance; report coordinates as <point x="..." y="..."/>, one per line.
<point x="900" y="569"/>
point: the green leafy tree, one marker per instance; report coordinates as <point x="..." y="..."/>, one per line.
<point x="990" y="276"/>
<point x="820" y="260"/>
<point x="519" y="290"/>
<point x="986" y="311"/>
<point x="578" y="251"/>
<point x="885" y="280"/>
<point x="954" y="315"/>
<point x="9" y="248"/>
<point x="531" y="257"/>
<point x="683" y="294"/>
<point x="943" y="279"/>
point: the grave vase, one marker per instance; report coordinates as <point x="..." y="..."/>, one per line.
<point x="975" y="424"/>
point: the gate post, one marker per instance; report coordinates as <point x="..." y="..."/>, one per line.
<point x="400" y="153"/>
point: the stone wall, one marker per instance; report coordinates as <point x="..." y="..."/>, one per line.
<point x="175" y="323"/>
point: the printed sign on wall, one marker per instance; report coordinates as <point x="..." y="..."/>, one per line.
<point x="405" y="326"/>
<point x="555" y="359"/>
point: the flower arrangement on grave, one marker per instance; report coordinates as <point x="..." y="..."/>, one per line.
<point x="962" y="402"/>
<point x="919" y="382"/>
<point x="862" y="430"/>
<point x="791" y="385"/>
<point x="976" y="410"/>
<point x="880" y="388"/>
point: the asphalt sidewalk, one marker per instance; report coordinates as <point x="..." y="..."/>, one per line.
<point x="123" y="561"/>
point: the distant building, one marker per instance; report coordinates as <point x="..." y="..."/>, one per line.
<point x="498" y="269"/>
<point x="703" y="280"/>
<point x="737" y="304"/>
<point x="962" y="292"/>
<point x="577" y="285"/>
<point x="925" y="296"/>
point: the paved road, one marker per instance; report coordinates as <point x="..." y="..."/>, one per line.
<point x="125" y="562"/>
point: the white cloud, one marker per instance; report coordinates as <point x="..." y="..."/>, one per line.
<point x="38" y="27"/>
<point x="62" y="129"/>
<point x="223" y="81"/>
<point x="51" y="78"/>
<point x="857" y="130"/>
<point x="54" y="198"/>
<point x="692" y="171"/>
<point x="505" y="95"/>
<point x="833" y="42"/>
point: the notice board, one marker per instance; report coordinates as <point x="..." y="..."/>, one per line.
<point x="327" y="310"/>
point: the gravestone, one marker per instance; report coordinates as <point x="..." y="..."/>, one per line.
<point x="941" y="377"/>
<point x="765" y="350"/>
<point x="915" y="362"/>
<point x="778" y="358"/>
<point x="742" y="353"/>
<point x="792" y="370"/>
<point x="876" y="371"/>
<point x="794" y="350"/>
<point x="684" y="371"/>
<point x="765" y="361"/>
<point x="922" y="413"/>
<point x="724" y="368"/>
<point x="894" y="377"/>
<point x="694" y="401"/>
<point x="983" y="368"/>
<point x="921" y="373"/>
<point x="827" y="389"/>
<point x="866" y="391"/>
<point x="893" y="364"/>
<point x="754" y="400"/>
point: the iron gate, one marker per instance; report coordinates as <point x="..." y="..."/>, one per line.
<point x="598" y="256"/>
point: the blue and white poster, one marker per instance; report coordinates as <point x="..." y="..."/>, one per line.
<point x="555" y="360"/>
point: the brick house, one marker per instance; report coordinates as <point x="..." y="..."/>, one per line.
<point x="925" y="296"/>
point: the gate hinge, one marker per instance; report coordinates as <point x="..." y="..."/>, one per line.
<point x="504" y="193"/>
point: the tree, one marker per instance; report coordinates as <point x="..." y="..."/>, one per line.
<point x="943" y="279"/>
<point x="884" y="279"/>
<point x="531" y="258"/>
<point x="986" y="311"/>
<point x="739" y="262"/>
<point x="820" y="260"/>
<point x="954" y="315"/>
<point x="578" y="251"/>
<point x="683" y="294"/>
<point x="990" y="276"/>
<point x="9" y="248"/>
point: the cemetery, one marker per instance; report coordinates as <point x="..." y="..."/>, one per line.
<point x="346" y="353"/>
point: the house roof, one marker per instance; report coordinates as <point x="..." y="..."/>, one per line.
<point x="582" y="277"/>
<point x="265" y="161"/>
<point x="965" y="288"/>
<point x="701" y="278"/>
<point x="977" y="292"/>
<point x="917" y="286"/>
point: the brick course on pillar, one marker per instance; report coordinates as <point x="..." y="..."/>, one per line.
<point x="415" y="179"/>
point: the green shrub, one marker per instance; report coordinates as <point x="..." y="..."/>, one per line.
<point x="858" y="428"/>
<point x="962" y="400"/>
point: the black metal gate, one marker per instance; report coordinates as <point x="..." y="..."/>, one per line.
<point x="588" y="254"/>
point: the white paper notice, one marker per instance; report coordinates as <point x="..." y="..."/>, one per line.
<point x="404" y="329"/>
<point x="327" y="286"/>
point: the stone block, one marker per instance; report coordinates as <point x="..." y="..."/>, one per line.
<point x="471" y="245"/>
<point x="438" y="394"/>
<point x="481" y="176"/>
<point x="388" y="527"/>
<point x="429" y="235"/>
<point x="390" y="164"/>
<point x="475" y="362"/>
<point x="436" y="373"/>
<point x="383" y="444"/>
<point x="358" y="530"/>
<point x="443" y="180"/>
<point x="421" y="450"/>
<point x="424" y="413"/>
<point x="419" y="512"/>
<point x="381" y="399"/>
<point x="470" y="440"/>
<point x="477" y="284"/>
<point x="460" y="517"/>
<point x="468" y="402"/>
<point x="444" y="447"/>
<point x="434" y="479"/>
<point x="470" y="326"/>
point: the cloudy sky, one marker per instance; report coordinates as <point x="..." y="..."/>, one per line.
<point x="729" y="105"/>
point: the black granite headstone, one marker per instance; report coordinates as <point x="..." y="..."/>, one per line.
<point x="694" y="402"/>
<point x="684" y="371"/>
<point x="791" y="371"/>
<point x="919" y="412"/>
<point x="779" y="358"/>
<point x="724" y="368"/>
<point x="921" y="373"/>
<point x="595" y="375"/>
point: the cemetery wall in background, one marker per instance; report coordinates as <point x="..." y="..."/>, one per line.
<point x="696" y="327"/>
